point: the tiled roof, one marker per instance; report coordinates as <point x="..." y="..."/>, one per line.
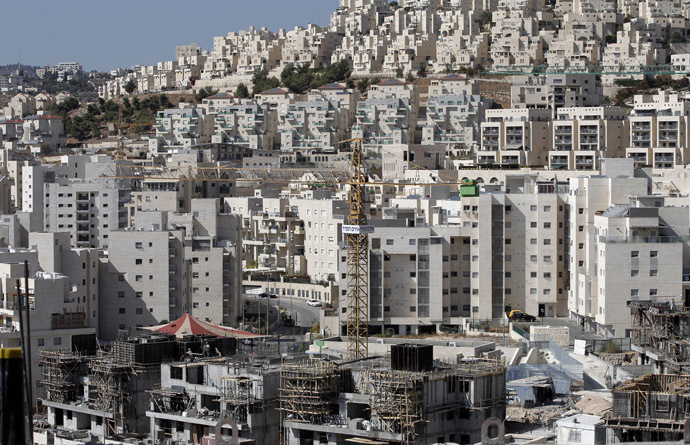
<point x="333" y="86"/>
<point x="275" y="91"/>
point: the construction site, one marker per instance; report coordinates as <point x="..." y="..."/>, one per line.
<point x="659" y="335"/>
<point x="196" y="402"/>
<point x="652" y="408"/>
<point x="104" y="392"/>
<point x="407" y="398"/>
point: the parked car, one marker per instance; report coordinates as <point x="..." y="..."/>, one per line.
<point x="516" y="315"/>
<point x="314" y="303"/>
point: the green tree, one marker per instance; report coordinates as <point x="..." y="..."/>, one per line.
<point x="203" y="93"/>
<point x="677" y="38"/>
<point x="399" y="73"/>
<point x="165" y="102"/>
<point x="262" y="82"/>
<point x="242" y="91"/>
<point x="131" y="86"/>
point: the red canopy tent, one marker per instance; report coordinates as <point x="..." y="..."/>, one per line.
<point x="188" y="325"/>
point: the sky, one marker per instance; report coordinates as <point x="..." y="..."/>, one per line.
<point x="104" y="34"/>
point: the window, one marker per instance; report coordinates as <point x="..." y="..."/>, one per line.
<point x="533" y="291"/>
<point x="653" y="292"/>
<point x="634" y="292"/>
<point x="139" y="311"/>
<point x="389" y="242"/>
<point x="121" y="294"/>
<point x="57" y="341"/>
<point x="635" y="254"/>
<point x="581" y="210"/>
<point x="139" y="294"/>
<point x="533" y="241"/>
<point x="653" y="273"/>
<point x="574" y="436"/>
<point x="547" y="225"/>
<point x="580" y="228"/>
<point x="533" y="275"/>
<point x="547" y="242"/>
<point x="413" y="308"/>
<point x="121" y="310"/>
<point x="138" y="261"/>
<point x="533" y="208"/>
<point x="653" y="254"/>
<point x="533" y="224"/>
<point x="139" y="245"/>
<point x="41" y="341"/>
<point x="547" y="275"/>
<point x="634" y="273"/>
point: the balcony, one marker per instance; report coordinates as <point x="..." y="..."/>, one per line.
<point x="82" y="208"/>
<point x="82" y="197"/>
<point x="172" y="269"/>
<point x="172" y="285"/>
<point x="172" y="302"/>
<point x="172" y="252"/>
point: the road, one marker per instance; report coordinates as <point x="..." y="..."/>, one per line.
<point x="305" y="316"/>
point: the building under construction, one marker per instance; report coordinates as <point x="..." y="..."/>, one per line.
<point x="194" y="397"/>
<point x="106" y="393"/>
<point x="652" y="408"/>
<point x="659" y="335"/>
<point x="407" y="398"/>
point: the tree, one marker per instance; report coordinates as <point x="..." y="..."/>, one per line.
<point x="242" y="91"/>
<point x="363" y="84"/>
<point x="262" y="82"/>
<point x="399" y="73"/>
<point x="204" y="92"/>
<point x="131" y="86"/>
<point x="677" y="38"/>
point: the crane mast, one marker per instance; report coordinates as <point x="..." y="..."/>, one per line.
<point x="357" y="236"/>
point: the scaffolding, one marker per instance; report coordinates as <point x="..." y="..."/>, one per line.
<point x="308" y="391"/>
<point x="110" y="388"/>
<point x="57" y="375"/>
<point x="397" y="401"/>
<point x="651" y="407"/>
<point x="239" y="395"/>
<point x="664" y="330"/>
<point x="172" y="401"/>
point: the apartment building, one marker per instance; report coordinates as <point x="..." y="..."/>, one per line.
<point x="385" y="121"/>
<point x="659" y="130"/>
<point x="556" y="91"/>
<point x="63" y="287"/>
<point x="87" y="209"/>
<point x="145" y="278"/>
<point x="582" y="136"/>
<point x="181" y="127"/>
<point x="345" y="99"/>
<point x="519" y="137"/>
<point x="312" y="126"/>
<point x="454" y="121"/>
<point x="640" y="257"/>
<point x="249" y="124"/>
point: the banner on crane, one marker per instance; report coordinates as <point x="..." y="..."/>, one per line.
<point x="358" y="230"/>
